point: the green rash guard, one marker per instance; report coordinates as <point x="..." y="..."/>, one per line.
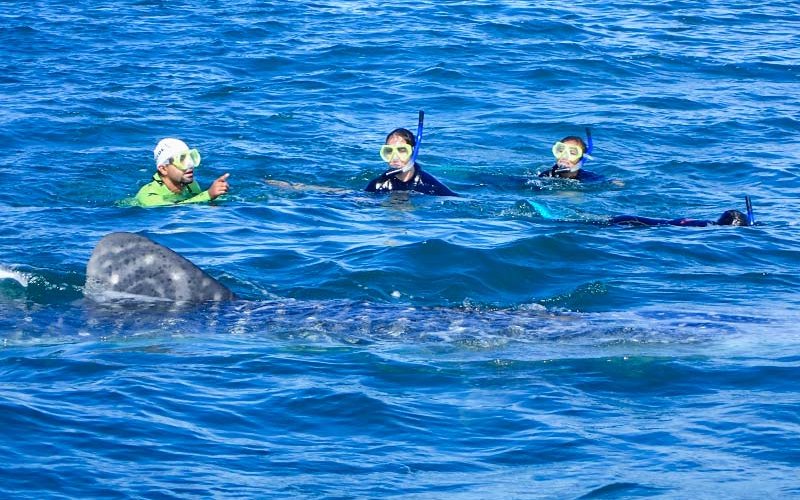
<point x="156" y="194"/>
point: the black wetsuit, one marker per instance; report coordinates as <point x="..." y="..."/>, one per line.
<point x="635" y="220"/>
<point x="422" y="182"/>
<point x="728" y="218"/>
<point x="583" y="175"/>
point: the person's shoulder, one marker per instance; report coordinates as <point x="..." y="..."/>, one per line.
<point x="426" y="177"/>
<point x="152" y="186"/>
<point x="433" y="185"/>
<point x="151" y="194"/>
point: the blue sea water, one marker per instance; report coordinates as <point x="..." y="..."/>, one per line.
<point x="404" y="346"/>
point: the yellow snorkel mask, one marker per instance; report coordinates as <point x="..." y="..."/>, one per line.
<point x="569" y="152"/>
<point x="572" y="152"/>
<point x="403" y="152"/>
<point x="187" y="159"/>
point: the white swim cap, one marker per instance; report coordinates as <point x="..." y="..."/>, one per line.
<point x="168" y="148"/>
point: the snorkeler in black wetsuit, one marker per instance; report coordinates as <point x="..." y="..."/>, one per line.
<point x="405" y="174"/>
<point x="728" y="218"/>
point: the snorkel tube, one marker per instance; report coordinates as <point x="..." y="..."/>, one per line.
<point x="414" y="152"/>
<point x="751" y="221"/>
<point x="589" y="143"/>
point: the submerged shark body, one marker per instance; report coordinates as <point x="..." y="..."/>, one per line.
<point x="130" y="265"/>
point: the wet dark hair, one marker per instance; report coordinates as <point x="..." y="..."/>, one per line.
<point x="732" y="218"/>
<point x="403" y="133"/>
<point x="577" y="139"/>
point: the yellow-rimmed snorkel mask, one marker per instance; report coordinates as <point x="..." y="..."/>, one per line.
<point x="572" y="152"/>
<point x="403" y="152"/>
<point x="186" y="160"/>
<point x="171" y="151"/>
<point x="565" y="151"/>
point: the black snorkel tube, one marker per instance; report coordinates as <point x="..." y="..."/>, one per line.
<point x="413" y="159"/>
<point x="751" y="221"/>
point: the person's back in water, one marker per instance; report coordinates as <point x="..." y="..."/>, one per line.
<point x="728" y="218"/>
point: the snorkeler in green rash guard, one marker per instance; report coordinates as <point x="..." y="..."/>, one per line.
<point x="174" y="183"/>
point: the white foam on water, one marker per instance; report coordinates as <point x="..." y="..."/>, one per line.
<point x="14" y="275"/>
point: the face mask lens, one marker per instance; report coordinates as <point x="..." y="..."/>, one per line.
<point x="195" y="157"/>
<point x="571" y="153"/>
<point x="388" y="152"/>
<point x="188" y="159"/>
<point x="176" y="162"/>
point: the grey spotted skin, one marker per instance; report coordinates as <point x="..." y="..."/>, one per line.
<point x="130" y="264"/>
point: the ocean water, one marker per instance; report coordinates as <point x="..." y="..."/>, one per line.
<point x="404" y="346"/>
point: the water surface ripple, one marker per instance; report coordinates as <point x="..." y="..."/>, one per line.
<point x="404" y="346"/>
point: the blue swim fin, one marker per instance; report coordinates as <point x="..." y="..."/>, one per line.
<point x="542" y="210"/>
